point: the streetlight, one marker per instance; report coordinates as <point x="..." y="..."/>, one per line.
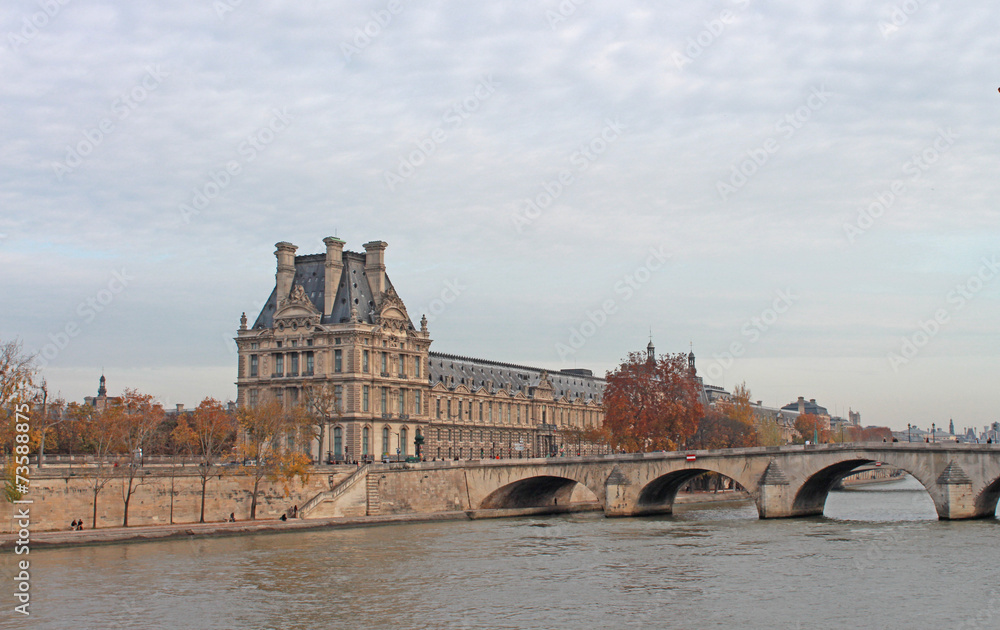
<point x="933" y="431"/>
<point x="908" y="434"/>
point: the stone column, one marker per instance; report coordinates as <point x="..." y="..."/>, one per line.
<point x="956" y="500"/>
<point x="774" y="498"/>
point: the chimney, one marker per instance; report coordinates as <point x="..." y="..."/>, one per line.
<point x="375" y="266"/>
<point x="285" y="253"/>
<point x="334" y="267"/>
<point x="802" y="404"/>
<point x="180" y="408"/>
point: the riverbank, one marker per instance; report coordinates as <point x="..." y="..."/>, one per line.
<point x="149" y="533"/>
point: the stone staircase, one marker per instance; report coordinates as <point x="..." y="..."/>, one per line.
<point x="330" y="495"/>
<point x="374" y="504"/>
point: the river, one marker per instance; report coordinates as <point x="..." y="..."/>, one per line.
<point x="878" y="558"/>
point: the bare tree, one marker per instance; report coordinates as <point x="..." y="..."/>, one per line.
<point x="325" y="407"/>
<point x="17" y="371"/>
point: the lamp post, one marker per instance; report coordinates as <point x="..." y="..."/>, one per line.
<point x="908" y="434"/>
<point x="933" y="431"/>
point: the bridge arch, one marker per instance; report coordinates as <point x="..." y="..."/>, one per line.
<point x="535" y="491"/>
<point x="810" y="497"/>
<point x="986" y="501"/>
<point x="657" y="496"/>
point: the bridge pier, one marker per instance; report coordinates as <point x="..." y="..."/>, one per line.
<point x="955" y="499"/>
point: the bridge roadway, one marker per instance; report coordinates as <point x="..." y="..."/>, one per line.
<point x="963" y="480"/>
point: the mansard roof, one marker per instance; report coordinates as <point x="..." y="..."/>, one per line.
<point x="454" y="370"/>
<point x="352" y="290"/>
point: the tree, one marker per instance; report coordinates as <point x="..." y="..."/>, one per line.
<point x="17" y="372"/>
<point x="208" y="435"/>
<point x="50" y="416"/>
<point x="325" y="406"/>
<point x="743" y="420"/>
<point x="135" y="423"/>
<point x="811" y="428"/>
<point x="98" y="432"/>
<point x="651" y="405"/>
<point x="264" y="428"/>
<point x="718" y="430"/>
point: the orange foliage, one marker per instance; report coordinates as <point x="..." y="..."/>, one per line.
<point x="651" y="406"/>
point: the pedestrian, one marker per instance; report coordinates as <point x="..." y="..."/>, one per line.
<point x="232" y="517"/>
<point x="295" y="511"/>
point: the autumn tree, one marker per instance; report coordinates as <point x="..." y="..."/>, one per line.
<point x="135" y="423"/>
<point x="812" y="428"/>
<point x="49" y="414"/>
<point x="99" y="435"/>
<point x="269" y="444"/>
<point x="207" y="435"/>
<point x="651" y="404"/>
<point x="718" y="430"/>
<point x="742" y="419"/>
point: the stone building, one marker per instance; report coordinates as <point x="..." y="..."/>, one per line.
<point x="335" y="320"/>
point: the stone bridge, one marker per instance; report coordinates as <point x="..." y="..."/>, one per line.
<point x="963" y="480"/>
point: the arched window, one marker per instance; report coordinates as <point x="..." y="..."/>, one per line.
<point x="338" y="442"/>
<point x="385" y="440"/>
<point x="403" y="434"/>
<point x="364" y="441"/>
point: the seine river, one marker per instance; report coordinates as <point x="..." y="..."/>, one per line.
<point x="877" y="559"/>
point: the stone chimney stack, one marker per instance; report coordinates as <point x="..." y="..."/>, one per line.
<point x="375" y="266"/>
<point x="334" y="268"/>
<point x="802" y="405"/>
<point x="180" y="408"/>
<point x="285" y="253"/>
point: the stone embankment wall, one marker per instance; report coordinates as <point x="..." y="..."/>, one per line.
<point x="59" y="497"/>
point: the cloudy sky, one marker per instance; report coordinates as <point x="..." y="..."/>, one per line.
<point x="800" y="190"/>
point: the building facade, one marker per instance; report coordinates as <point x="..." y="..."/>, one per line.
<point x="335" y="321"/>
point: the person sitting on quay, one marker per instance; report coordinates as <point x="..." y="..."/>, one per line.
<point x="72" y="526"/>
<point x="79" y="525"/>
<point x="232" y="517"/>
<point x="284" y="517"/>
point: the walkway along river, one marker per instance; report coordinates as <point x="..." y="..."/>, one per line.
<point x="879" y="557"/>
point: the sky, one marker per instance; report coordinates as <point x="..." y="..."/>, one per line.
<point x="800" y="192"/>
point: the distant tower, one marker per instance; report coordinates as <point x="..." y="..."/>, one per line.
<point x="102" y="390"/>
<point x="650" y="352"/>
<point x="691" y="367"/>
